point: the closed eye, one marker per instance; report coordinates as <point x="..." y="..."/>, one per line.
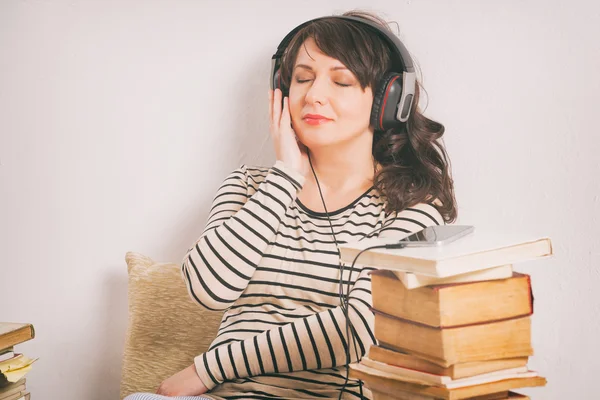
<point x="337" y="83"/>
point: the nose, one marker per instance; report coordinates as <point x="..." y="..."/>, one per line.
<point x="317" y="92"/>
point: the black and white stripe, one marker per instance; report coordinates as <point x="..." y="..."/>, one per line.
<point x="274" y="266"/>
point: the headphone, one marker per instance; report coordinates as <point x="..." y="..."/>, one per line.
<point x="393" y="98"/>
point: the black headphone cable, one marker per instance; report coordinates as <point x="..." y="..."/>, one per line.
<point x="344" y="300"/>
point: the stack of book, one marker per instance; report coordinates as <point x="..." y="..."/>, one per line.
<point x="452" y="322"/>
<point x="14" y="366"/>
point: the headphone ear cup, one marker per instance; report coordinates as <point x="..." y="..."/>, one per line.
<point x="385" y="102"/>
<point x="278" y="82"/>
<point x="276" y="79"/>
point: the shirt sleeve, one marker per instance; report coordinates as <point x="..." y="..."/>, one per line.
<point x="219" y="266"/>
<point x="409" y="220"/>
<point x="319" y="340"/>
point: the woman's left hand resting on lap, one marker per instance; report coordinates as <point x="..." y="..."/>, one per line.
<point x="184" y="383"/>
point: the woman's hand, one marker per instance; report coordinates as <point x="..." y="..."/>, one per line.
<point x="183" y="383"/>
<point x="288" y="147"/>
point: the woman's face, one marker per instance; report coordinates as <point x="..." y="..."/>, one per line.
<point x="322" y="85"/>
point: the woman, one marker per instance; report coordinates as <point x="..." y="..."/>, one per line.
<point x="268" y="254"/>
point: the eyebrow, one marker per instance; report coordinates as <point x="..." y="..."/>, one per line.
<point x="308" y="67"/>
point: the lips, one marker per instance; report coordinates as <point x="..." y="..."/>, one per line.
<point x="315" y="119"/>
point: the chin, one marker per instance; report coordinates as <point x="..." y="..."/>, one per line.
<point x="317" y="141"/>
<point x="315" y="135"/>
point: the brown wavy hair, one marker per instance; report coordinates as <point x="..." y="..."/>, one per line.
<point x="415" y="167"/>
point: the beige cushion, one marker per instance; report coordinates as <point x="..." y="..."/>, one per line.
<point x="166" y="329"/>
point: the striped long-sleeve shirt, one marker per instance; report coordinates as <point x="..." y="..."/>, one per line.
<point x="273" y="265"/>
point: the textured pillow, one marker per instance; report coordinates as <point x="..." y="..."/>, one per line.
<point x="166" y="329"/>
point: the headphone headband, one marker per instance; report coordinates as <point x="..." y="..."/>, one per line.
<point x="400" y="58"/>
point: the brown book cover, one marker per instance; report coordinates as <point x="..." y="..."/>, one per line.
<point x="476" y="342"/>
<point x="456" y="371"/>
<point x="453" y="304"/>
<point x="505" y="395"/>
<point x="15" y="333"/>
<point x="381" y="384"/>
<point x="514" y="395"/>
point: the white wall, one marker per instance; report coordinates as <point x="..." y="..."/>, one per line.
<point x="119" y="119"/>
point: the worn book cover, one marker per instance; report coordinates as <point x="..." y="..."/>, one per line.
<point x="480" y="250"/>
<point x="453" y="304"/>
<point x="12" y="333"/>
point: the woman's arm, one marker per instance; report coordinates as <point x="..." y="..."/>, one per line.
<point x="317" y="341"/>
<point x="314" y="342"/>
<point x="215" y="270"/>
<point x="410" y="220"/>
<point x="239" y="228"/>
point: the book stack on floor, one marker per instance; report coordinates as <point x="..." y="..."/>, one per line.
<point x="14" y="366"/>
<point x="451" y="322"/>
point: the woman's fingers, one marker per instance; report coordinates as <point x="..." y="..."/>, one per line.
<point x="285" y="113"/>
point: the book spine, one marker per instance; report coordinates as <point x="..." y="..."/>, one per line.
<point x="450" y="326"/>
<point x="531" y="299"/>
